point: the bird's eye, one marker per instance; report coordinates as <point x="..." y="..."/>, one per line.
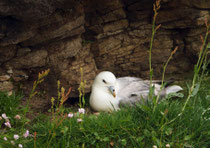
<point x="104" y="81"/>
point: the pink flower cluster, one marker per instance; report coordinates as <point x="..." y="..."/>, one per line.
<point x="15" y="136"/>
<point x="70" y="115"/>
<point x="80" y="111"/>
<point x="7" y="122"/>
<point x="26" y="134"/>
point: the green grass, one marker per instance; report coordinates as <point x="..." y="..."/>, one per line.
<point x="136" y="127"/>
<point x="10" y="104"/>
<point x="130" y="127"/>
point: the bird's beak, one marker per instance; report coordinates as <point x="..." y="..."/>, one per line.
<point x="112" y="90"/>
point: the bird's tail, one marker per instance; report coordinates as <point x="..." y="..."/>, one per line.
<point x="173" y="89"/>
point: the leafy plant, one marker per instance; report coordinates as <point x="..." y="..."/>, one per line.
<point x="33" y="91"/>
<point x="10" y="104"/>
<point x="82" y="90"/>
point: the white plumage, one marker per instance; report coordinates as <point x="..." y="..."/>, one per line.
<point x="108" y="91"/>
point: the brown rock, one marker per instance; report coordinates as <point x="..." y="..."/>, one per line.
<point x="61" y="51"/>
<point x="6" y="53"/>
<point x="117" y="25"/>
<point x="6" y="86"/>
<point x="61" y="31"/>
<point x="13" y="38"/>
<point x="117" y="14"/>
<point x="31" y="60"/>
<point x="23" y="51"/>
<point x="4" y="77"/>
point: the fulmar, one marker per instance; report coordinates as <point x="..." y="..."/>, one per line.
<point x="109" y="92"/>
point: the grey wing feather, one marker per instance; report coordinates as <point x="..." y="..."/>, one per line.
<point x="132" y="90"/>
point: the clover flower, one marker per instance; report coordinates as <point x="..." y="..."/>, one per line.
<point x="5" y="138"/>
<point x="7" y="124"/>
<point x="81" y="110"/>
<point x="16" y="137"/>
<point x="20" y="145"/>
<point x="17" y="117"/>
<point x="4" y="116"/>
<point x="70" y="115"/>
<point x="26" y="134"/>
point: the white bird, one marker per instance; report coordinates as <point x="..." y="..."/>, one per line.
<point x="108" y="92"/>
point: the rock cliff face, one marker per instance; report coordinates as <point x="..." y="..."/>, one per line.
<point x="97" y="35"/>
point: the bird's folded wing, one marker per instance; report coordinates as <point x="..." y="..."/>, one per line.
<point x="131" y="90"/>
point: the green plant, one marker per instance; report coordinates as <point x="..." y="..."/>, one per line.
<point x="82" y="90"/>
<point x="197" y="78"/>
<point x="58" y="115"/>
<point x="10" y="104"/>
<point x="156" y="7"/>
<point x="16" y="125"/>
<point x="163" y="77"/>
<point x="33" y="91"/>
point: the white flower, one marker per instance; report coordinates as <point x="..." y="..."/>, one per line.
<point x="17" y="117"/>
<point x="20" y="145"/>
<point x="167" y="145"/>
<point x="26" y="134"/>
<point x="5" y="138"/>
<point x="154" y="146"/>
<point x="4" y="116"/>
<point x="7" y="124"/>
<point x="70" y="115"/>
<point x="81" y="110"/>
<point x="79" y="120"/>
<point x="16" y="137"/>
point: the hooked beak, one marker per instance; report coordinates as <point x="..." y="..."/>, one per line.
<point x="112" y="90"/>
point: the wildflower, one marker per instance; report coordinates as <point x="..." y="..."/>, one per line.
<point x="81" y="110"/>
<point x="167" y="145"/>
<point x="79" y="120"/>
<point x="7" y="124"/>
<point x="20" y="145"/>
<point x="5" y="138"/>
<point x="70" y="115"/>
<point x="12" y="142"/>
<point x="16" y="137"/>
<point x="4" y="116"/>
<point x="17" y="117"/>
<point x="26" y="134"/>
<point x="154" y="146"/>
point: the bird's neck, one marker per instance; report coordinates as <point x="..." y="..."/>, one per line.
<point x="103" y="91"/>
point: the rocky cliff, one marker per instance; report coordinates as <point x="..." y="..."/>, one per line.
<point x="97" y="35"/>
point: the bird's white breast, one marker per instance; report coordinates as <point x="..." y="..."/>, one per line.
<point x="102" y="100"/>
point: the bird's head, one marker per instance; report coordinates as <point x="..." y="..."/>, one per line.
<point x="106" y="80"/>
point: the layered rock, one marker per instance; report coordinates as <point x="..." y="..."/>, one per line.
<point x="96" y="35"/>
